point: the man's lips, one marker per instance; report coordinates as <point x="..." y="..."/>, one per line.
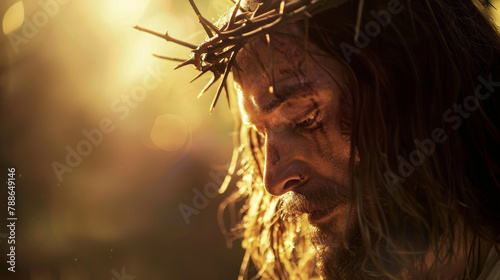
<point x="319" y="202"/>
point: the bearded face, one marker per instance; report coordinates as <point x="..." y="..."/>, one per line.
<point x="294" y="99"/>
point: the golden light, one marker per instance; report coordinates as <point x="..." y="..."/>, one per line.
<point x="123" y="12"/>
<point x="137" y="57"/>
<point x="496" y="13"/>
<point x="13" y="18"/>
<point x="169" y="132"/>
<point x="140" y="47"/>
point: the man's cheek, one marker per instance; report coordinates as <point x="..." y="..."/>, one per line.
<point x="327" y="130"/>
<point x="332" y="146"/>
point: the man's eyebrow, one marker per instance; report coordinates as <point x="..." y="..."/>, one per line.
<point x="286" y="93"/>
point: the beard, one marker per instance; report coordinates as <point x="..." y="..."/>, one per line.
<point x="339" y="257"/>
<point x="333" y="231"/>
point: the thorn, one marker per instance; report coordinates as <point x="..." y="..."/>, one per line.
<point x="282" y="7"/>
<point x="227" y="95"/>
<point x="233" y="15"/>
<point x="256" y="12"/>
<point x="167" y="37"/>
<point x="208" y="85"/>
<point x="207" y="30"/>
<point x="221" y="85"/>
<point x="224" y="54"/>
<point x="209" y="25"/>
<point x="169" y="58"/>
<point x="199" y="75"/>
<point x="187" y="62"/>
<point x="239" y="7"/>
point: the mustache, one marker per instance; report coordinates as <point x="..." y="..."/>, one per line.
<point x="318" y="202"/>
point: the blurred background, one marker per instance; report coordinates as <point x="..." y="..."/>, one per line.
<point x="110" y="144"/>
<point x="116" y="160"/>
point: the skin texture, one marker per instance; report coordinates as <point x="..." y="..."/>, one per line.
<point x="304" y="128"/>
<point x="300" y="122"/>
<point x="304" y="134"/>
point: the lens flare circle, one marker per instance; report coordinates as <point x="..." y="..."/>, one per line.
<point x="169" y="132"/>
<point x="13" y="18"/>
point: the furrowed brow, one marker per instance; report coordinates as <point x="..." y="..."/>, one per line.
<point x="286" y="93"/>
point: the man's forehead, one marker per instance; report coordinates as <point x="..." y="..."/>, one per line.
<point x="285" y="42"/>
<point x="262" y="66"/>
<point x="283" y="64"/>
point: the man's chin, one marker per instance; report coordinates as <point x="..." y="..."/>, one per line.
<point x="334" y="259"/>
<point x="338" y="258"/>
<point x="327" y="214"/>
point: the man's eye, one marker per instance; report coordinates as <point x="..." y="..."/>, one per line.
<point x="310" y="122"/>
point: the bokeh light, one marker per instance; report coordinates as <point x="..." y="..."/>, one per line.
<point x="13" y="17"/>
<point x="122" y="12"/>
<point x="81" y="76"/>
<point x="169" y="132"/>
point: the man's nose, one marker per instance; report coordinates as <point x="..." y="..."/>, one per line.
<point x="284" y="168"/>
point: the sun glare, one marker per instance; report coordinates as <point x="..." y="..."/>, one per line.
<point x="169" y="132"/>
<point x="126" y="12"/>
<point x="13" y="18"/>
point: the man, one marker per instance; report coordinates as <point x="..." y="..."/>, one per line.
<point x="368" y="139"/>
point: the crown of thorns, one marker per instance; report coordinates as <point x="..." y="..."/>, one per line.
<point x="217" y="54"/>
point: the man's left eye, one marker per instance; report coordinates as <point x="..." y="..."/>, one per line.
<point x="310" y="122"/>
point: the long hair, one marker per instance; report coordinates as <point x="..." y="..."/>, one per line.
<point x="424" y="128"/>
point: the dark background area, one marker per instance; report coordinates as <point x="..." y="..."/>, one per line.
<point x="115" y="213"/>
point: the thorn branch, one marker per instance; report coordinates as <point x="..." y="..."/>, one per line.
<point x="167" y="37"/>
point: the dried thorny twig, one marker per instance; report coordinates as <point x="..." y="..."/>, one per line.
<point x="218" y="52"/>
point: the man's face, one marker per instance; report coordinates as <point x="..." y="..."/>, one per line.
<point x="304" y="131"/>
